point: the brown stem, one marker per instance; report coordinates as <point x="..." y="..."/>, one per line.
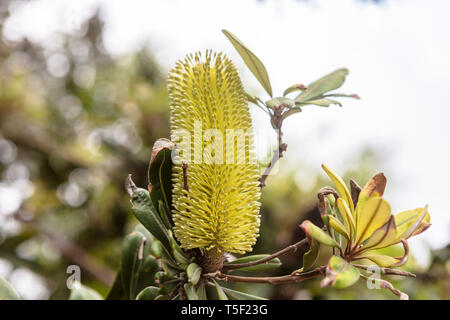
<point x="175" y="290"/>
<point x="292" y="247"/>
<point x="277" y="121"/>
<point x="185" y="182"/>
<point x="387" y="285"/>
<point x="294" y="277"/>
<point x="389" y="271"/>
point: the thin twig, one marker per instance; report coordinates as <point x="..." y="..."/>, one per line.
<point x="294" y="277"/>
<point x="185" y="183"/>
<point x="389" y="271"/>
<point x="387" y="285"/>
<point x="292" y="247"/>
<point x="175" y="290"/>
<point x="278" y="153"/>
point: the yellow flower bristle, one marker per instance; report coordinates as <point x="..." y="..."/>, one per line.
<point x="220" y="209"/>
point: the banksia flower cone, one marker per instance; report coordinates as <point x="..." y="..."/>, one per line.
<point x="216" y="200"/>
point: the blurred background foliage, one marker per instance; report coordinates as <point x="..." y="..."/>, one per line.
<point x="74" y="121"/>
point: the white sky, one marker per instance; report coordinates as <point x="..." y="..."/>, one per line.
<point x="398" y="56"/>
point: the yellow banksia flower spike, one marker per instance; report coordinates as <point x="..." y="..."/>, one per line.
<point x="216" y="200"/>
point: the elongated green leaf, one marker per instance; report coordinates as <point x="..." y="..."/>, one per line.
<point x="263" y="267"/>
<point x="191" y="293"/>
<point x="341" y="95"/>
<point x="381" y="260"/>
<point x="291" y="111"/>
<point x="375" y="214"/>
<point x="7" y="292"/>
<point x="384" y="236"/>
<point x="167" y="288"/>
<point x="346" y="215"/>
<point x="293" y="88"/>
<point x="149" y="265"/>
<point x="146" y="213"/>
<point x="81" y="292"/>
<point x="252" y="61"/>
<point x="149" y="293"/>
<point x="147" y="272"/>
<point x="341" y="188"/>
<point x="132" y="257"/>
<point x="161" y="252"/>
<point x="220" y="293"/>
<point x="201" y="291"/>
<point x="314" y="232"/>
<point x="320" y="102"/>
<point x="251" y="98"/>
<point x="340" y="274"/>
<point x="178" y="253"/>
<point x="338" y="226"/>
<point x="310" y="257"/>
<point x="327" y="83"/>
<point x="409" y="221"/>
<point x="241" y="295"/>
<point x="160" y="178"/>
<point x="167" y="282"/>
<point x="116" y="292"/>
<point x="165" y="216"/>
<point x="168" y="262"/>
<point x="194" y="272"/>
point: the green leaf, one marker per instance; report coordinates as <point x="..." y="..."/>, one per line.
<point x="291" y="111"/>
<point x="320" y="102"/>
<point x="160" y="251"/>
<point x="338" y="226"/>
<point x="340" y="274"/>
<point x="132" y="256"/>
<point x="251" y="60"/>
<point x="310" y="257"/>
<point x="147" y="271"/>
<point x="327" y="83"/>
<point x="341" y="188"/>
<point x="241" y="295"/>
<point x="81" y="292"/>
<point x="342" y="95"/>
<point x="201" y="291"/>
<point x="165" y="216"/>
<point x="160" y="178"/>
<point x="347" y="217"/>
<point x="408" y="221"/>
<point x="220" y="293"/>
<point x="194" y="272"/>
<point x="116" y="292"/>
<point x="380" y="259"/>
<point x="178" y="253"/>
<point x="263" y="267"/>
<point x="251" y="98"/>
<point x="384" y="236"/>
<point x="375" y="213"/>
<point x="7" y="292"/>
<point x="293" y="88"/>
<point x="191" y="293"/>
<point x="146" y="213"/>
<point x="314" y="232"/>
<point x="166" y="281"/>
<point x="149" y="293"/>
